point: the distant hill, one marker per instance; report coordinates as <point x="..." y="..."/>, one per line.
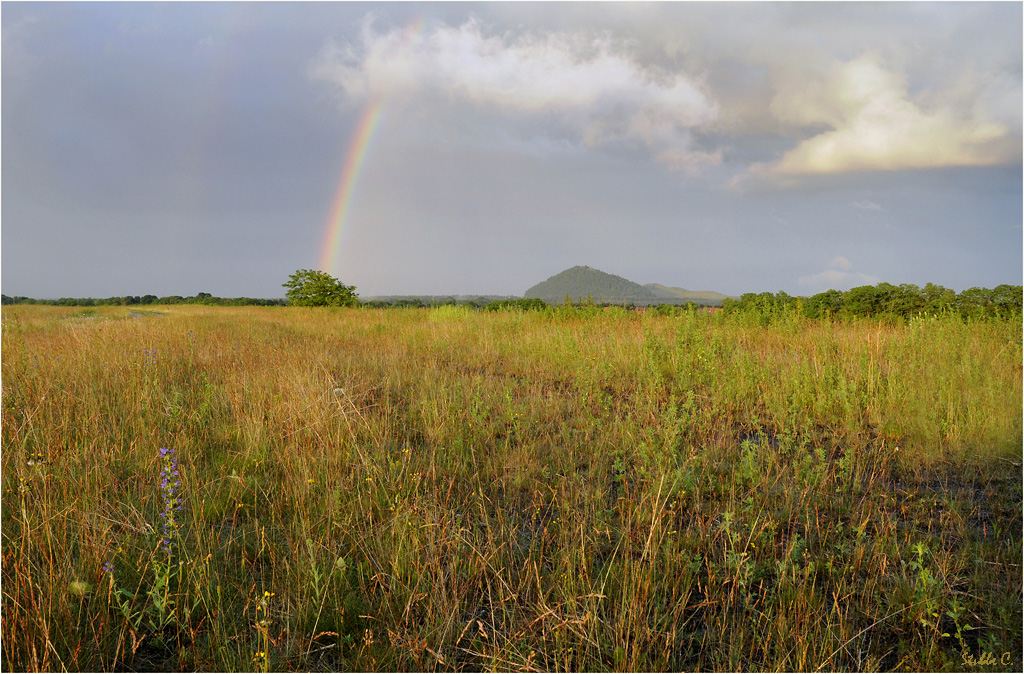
<point x="582" y="281"/>
<point x="699" y="296"/>
<point x="428" y="300"/>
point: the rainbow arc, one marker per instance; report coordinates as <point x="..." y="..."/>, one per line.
<point x="357" y="151"/>
<point x="330" y="247"/>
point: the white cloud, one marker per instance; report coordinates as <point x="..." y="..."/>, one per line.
<point x="872" y="123"/>
<point x="838" y="276"/>
<point x="596" y="86"/>
<point x="840" y="263"/>
<point x="866" y="205"/>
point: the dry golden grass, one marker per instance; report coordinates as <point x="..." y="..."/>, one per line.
<point x="448" y="489"/>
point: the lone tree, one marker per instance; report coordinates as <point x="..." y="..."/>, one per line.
<point x="310" y="288"/>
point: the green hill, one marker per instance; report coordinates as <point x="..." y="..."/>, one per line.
<point x="670" y="294"/>
<point x="582" y="281"/>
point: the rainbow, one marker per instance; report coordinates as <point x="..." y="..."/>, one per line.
<point x="357" y="148"/>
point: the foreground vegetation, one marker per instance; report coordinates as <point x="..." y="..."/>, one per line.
<point x="442" y="489"/>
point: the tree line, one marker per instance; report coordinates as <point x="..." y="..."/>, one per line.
<point x="313" y="288"/>
<point x="131" y="300"/>
<point x="886" y="300"/>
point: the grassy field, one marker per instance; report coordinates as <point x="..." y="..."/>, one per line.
<point x="444" y="489"/>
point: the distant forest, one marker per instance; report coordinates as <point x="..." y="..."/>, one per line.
<point x="131" y="300"/>
<point x="886" y="299"/>
<point x="883" y="299"/>
<point x="478" y="301"/>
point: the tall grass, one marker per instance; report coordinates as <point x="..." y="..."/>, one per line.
<point x="446" y="489"/>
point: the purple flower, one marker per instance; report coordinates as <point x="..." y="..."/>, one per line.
<point x="108" y="567"/>
<point x="169" y="485"/>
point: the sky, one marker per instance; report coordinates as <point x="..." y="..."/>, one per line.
<point x="481" y="148"/>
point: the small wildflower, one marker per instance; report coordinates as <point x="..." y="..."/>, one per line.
<point x="108" y="567"/>
<point x="169" y="484"/>
<point x="149" y="358"/>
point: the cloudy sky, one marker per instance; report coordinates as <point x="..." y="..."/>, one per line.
<point x="480" y="148"/>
